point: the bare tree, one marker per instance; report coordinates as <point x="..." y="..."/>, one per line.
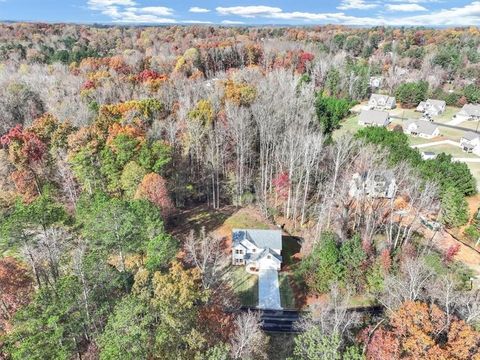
<point x="408" y="285"/>
<point x="207" y="253"/>
<point x="248" y="341"/>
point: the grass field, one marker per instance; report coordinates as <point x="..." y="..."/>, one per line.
<point x="245" y="285"/>
<point x="449" y="149"/>
<point x="287" y="298"/>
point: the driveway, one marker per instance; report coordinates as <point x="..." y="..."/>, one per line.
<point x="268" y="289"/>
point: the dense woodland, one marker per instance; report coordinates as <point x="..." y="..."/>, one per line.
<point x="108" y="132"/>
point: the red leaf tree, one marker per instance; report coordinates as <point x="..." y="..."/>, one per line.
<point x="154" y="188"/>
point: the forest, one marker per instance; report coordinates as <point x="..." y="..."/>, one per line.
<point x="109" y="135"/>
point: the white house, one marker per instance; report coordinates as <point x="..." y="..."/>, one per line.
<point x="373" y="184"/>
<point x="421" y="128"/>
<point x="257" y="249"/>
<point x="432" y="107"/>
<point x="428" y="155"/>
<point x="374" y="118"/>
<point x="470" y="142"/>
<point x="381" y="102"/>
<point x="469" y="112"/>
<point x="375" y="81"/>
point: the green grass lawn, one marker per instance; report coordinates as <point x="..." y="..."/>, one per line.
<point x="449" y="149"/>
<point x="287" y="298"/>
<point x="447" y="114"/>
<point x="349" y="125"/>
<point x="242" y="220"/>
<point x="245" y="285"/>
<point x="473" y="125"/>
<point x="475" y="169"/>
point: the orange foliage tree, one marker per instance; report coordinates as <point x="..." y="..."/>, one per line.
<point x="421" y="331"/>
<point x="154" y="188"/>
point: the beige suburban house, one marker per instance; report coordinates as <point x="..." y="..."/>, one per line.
<point x="381" y="102"/>
<point x="421" y="128"/>
<point x="374" y="118"/>
<point x="469" y="112"/>
<point x="470" y="142"/>
<point x="432" y="107"/>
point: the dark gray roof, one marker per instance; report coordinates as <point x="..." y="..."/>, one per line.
<point x="374" y="117"/>
<point x="263" y="239"/>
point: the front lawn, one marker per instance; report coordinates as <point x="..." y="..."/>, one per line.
<point x="287" y="297"/>
<point x="244" y="285"/>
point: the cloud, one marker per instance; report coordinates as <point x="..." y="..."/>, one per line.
<point x="99" y="4"/>
<point x="155" y="10"/>
<point x="196" y="22"/>
<point x="126" y="11"/>
<point x="356" y="4"/>
<point x="405" y="7"/>
<point x="248" y="11"/>
<point x="198" y="10"/>
<point x="231" y="22"/>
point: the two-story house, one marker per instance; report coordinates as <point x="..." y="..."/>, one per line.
<point x="470" y="142"/>
<point x="257" y="249"/>
<point x="381" y="102"/>
<point x="432" y="107"/>
<point x="380" y="184"/>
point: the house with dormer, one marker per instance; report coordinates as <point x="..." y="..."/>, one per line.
<point x="381" y="102"/>
<point x="257" y="249"/>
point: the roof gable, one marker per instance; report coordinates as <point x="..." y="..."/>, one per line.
<point x="262" y="239"/>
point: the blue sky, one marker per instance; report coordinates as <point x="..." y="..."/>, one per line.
<point x="306" y="12"/>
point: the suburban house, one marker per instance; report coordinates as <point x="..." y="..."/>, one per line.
<point x="373" y="184"/>
<point x="428" y="155"/>
<point x="469" y="112"/>
<point x="432" y="107"/>
<point x="257" y="249"/>
<point x="470" y="142"/>
<point x="375" y="81"/>
<point x="422" y="128"/>
<point x="381" y="102"/>
<point x="374" y="118"/>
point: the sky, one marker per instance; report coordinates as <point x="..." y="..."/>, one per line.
<point x="247" y="12"/>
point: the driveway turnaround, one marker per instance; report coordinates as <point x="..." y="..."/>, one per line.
<point x="268" y="290"/>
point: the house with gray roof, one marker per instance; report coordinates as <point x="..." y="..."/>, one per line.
<point x="421" y="128"/>
<point x="374" y="118"/>
<point x="469" y="112"/>
<point x="258" y="249"/>
<point x="470" y="142"/>
<point x="381" y="102"/>
<point x="432" y="107"/>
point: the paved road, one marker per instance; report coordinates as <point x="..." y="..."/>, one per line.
<point x="268" y="290"/>
<point x="434" y="143"/>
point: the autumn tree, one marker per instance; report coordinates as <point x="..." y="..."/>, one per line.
<point x="153" y="187"/>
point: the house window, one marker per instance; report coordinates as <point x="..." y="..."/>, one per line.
<point x="254" y="250"/>
<point x="269" y="257"/>
<point x="240" y="252"/>
<point x="238" y="261"/>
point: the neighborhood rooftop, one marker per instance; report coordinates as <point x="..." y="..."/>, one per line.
<point x="470" y="135"/>
<point x="471" y="110"/>
<point x="423" y="126"/>
<point x="261" y="238"/>
<point x="374" y="117"/>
